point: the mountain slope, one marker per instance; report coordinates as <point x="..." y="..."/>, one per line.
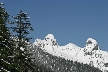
<point x="46" y="61"/>
<point x="90" y="54"/>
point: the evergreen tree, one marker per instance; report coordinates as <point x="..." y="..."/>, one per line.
<point x="6" y="50"/>
<point x="21" y="28"/>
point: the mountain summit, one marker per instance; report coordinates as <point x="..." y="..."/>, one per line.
<point x="91" y="44"/>
<point x="91" y="54"/>
<point x="51" y="40"/>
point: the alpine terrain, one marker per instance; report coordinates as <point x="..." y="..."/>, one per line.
<point x="70" y="58"/>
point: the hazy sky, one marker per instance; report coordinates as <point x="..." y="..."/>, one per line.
<point x="69" y="20"/>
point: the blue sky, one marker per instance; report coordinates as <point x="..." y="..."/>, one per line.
<point x="69" y="20"/>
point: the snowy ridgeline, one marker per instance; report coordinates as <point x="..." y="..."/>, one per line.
<point x="91" y="54"/>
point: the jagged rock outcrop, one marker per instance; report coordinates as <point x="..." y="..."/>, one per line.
<point x="48" y="40"/>
<point x="51" y="40"/>
<point x="91" y="45"/>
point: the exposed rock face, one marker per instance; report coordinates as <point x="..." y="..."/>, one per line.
<point x="50" y="39"/>
<point x="91" y="41"/>
<point x="91" y="45"/>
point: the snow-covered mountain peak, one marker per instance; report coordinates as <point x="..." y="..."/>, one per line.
<point x="49" y="40"/>
<point x="90" y="54"/>
<point x="71" y="46"/>
<point x="50" y="36"/>
<point x="91" y="45"/>
<point x="91" y="41"/>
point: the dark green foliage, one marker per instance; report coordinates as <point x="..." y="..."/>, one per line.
<point x="21" y="28"/>
<point x="6" y="49"/>
<point x="12" y="58"/>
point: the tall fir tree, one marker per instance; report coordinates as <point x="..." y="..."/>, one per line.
<point x="6" y="50"/>
<point x="21" y="29"/>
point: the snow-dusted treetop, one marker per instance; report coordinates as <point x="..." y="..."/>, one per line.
<point x="1" y="3"/>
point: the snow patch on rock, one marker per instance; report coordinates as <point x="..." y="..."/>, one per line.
<point x="91" y="41"/>
<point x="50" y="36"/>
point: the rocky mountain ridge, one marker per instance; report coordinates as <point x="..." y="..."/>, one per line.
<point x="91" y="54"/>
